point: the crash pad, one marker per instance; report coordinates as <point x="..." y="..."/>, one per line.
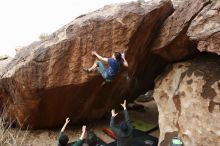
<point x="143" y="126"/>
<point x="104" y="137"/>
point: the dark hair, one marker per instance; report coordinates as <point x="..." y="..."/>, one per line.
<point x="91" y="139"/>
<point x="63" y="140"/>
<point x="118" y="56"/>
<point x="124" y="126"/>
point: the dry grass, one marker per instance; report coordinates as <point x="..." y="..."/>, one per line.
<point x="11" y="136"/>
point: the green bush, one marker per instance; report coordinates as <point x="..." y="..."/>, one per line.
<point x="43" y="36"/>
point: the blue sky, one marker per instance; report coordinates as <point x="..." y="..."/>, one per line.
<point x="22" y="21"/>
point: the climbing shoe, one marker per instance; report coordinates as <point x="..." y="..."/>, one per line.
<point x="86" y="70"/>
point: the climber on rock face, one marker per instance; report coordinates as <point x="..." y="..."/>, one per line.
<point x="114" y="64"/>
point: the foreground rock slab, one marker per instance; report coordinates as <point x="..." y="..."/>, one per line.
<point x="188" y="99"/>
<point x="45" y="83"/>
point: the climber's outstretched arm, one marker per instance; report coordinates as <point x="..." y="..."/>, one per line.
<point x="125" y="63"/>
<point x="83" y="132"/>
<point x="64" y="126"/>
<point x="127" y="119"/>
<point x="112" y="122"/>
<point x="79" y="142"/>
<point x="99" y="57"/>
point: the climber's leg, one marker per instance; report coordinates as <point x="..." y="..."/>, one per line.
<point x="101" y="69"/>
<point x="91" y="68"/>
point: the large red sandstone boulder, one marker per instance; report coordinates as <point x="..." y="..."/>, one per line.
<point x="188" y="99"/>
<point x="172" y="42"/>
<point x="45" y="83"/>
<point x="205" y="28"/>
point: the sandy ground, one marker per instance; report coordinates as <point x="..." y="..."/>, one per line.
<point x="49" y="137"/>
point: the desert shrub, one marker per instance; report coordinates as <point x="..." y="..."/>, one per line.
<point x="11" y="136"/>
<point x="43" y="36"/>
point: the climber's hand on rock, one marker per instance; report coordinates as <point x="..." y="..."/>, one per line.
<point x="94" y="53"/>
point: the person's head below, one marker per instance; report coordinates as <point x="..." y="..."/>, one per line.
<point x="91" y="139"/>
<point x="117" y="56"/>
<point x="124" y="127"/>
<point x="63" y="140"/>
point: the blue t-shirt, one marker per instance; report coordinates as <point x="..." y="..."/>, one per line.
<point x="113" y="67"/>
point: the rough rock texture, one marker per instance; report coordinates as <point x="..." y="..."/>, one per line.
<point x="45" y="83"/>
<point x="177" y="3"/>
<point x="205" y="28"/>
<point x="171" y="42"/>
<point x="188" y="99"/>
<point x="4" y="60"/>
